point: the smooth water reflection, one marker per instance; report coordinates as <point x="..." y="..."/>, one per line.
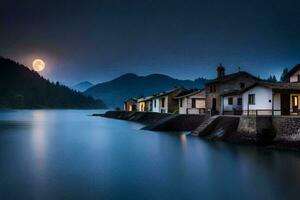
<point x="66" y="154"/>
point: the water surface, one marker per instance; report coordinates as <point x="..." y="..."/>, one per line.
<point x="66" y="154"/>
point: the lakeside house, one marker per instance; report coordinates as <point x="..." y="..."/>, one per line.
<point x="264" y="98"/>
<point x="234" y="94"/>
<point x="191" y="101"/>
<point x="130" y="104"/>
<point x="165" y="102"/>
<point x="145" y="104"/>
<point x="222" y="93"/>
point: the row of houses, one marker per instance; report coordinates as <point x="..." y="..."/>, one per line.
<point x="238" y="93"/>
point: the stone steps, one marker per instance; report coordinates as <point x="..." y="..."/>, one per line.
<point x="204" y="125"/>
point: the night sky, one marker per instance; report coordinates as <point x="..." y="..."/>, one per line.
<point x="100" y="40"/>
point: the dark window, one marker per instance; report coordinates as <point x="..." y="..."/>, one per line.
<point x="230" y="100"/>
<point x="162" y="102"/>
<point x="213" y="88"/>
<point x="299" y="78"/>
<point x="251" y="99"/>
<point x="155" y="103"/>
<point x="240" y="101"/>
<point x="180" y="102"/>
<point x="193" y="103"/>
<point x="214" y="104"/>
<point x="242" y="85"/>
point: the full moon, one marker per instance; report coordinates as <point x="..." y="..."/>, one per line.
<point x="38" y="65"/>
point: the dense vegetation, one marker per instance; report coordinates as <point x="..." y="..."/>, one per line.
<point x="21" y="87"/>
<point x="283" y="78"/>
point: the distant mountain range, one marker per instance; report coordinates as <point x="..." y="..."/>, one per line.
<point x="116" y="91"/>
<point x="82" y="86"/>
<point x="21" y="87"/>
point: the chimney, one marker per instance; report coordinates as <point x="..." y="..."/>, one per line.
<point x="221" y="71"/>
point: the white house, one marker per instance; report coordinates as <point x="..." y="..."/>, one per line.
<point x="191" y="101"/>
<point x="164" y="102"/>
<point x="265" y="98"/>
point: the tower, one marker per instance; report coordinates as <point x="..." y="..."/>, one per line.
<point x="221" y="71"/>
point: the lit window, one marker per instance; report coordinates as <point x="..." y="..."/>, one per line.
<point x="295" y="101"/>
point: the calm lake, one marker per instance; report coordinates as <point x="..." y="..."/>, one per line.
<point x="67" y="154"/>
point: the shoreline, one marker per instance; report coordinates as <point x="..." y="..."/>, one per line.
<point x="239" y="130"/>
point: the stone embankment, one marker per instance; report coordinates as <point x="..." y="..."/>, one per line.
<point x="146" y="118"/>
<point x="159" y="121"/>
<point x="277" y="131"/>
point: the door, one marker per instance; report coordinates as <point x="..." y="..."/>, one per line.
<point x="214" y="104"/>
<point x="285" y="104"/>
<point x="295" y="104"/>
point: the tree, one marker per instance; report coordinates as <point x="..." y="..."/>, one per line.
<point x="284" y="76"/>
<point x="272" y="79"/>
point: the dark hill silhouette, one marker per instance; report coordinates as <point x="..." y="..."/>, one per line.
<point x="116" y="91"/>
<point x="21" y="87"/>
<point x="82" y="86"/>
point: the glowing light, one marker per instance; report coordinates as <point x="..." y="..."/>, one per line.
<point x="38" y="65"/>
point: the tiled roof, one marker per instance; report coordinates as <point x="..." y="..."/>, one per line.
<point x="294" y="69"/>
<point x="167" y="92"/>
<point x="289" y="87"/>
<point x="131" y="99"/>
<point x="187" y="93"/>
<point x="232" y="92"/>
<point x="230" y="77"/>
<point x="145" y="98"/>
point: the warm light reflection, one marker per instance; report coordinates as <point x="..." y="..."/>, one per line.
<point x="183" y="138"/>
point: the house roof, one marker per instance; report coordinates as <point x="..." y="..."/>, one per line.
<point x="187" y="93"/>
<point x="293" y="70"/>
<point x="278" y="87"/>
<point x="167" y="92"/>
<point x="145" y="98"/>
<point x="232" y="92"/>
<point x="230" y="77"/>
<point x="131" y="99"/>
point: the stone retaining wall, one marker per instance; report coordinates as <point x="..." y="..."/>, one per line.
<point x="287" y="128"/>
<point x="250" y="126"/>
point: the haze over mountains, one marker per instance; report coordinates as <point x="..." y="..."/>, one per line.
<point x="82" y="86"/>
<point x="23" y="88"/>
<point x="116" y="91"/>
